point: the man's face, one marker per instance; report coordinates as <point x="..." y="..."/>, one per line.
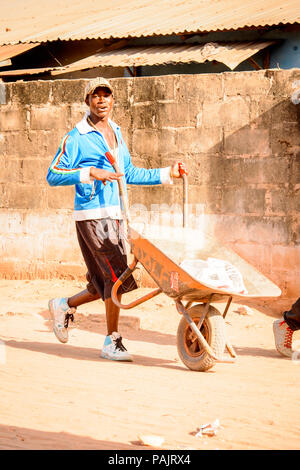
<point x="100" y="102"/>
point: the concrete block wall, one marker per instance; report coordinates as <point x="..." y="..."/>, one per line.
<point x="238" y="133"/>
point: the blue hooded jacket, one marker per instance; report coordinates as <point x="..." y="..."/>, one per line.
<point x="84" y="147"/>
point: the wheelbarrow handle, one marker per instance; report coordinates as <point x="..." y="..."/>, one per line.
<point x="119" y="282"/>
<point x="183" y="175"/>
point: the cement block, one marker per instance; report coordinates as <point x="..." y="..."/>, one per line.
<point x="295" y="169"/>
<point x="4" y="204"/>
<point x="146" y="89"/>
<point x="4" y="220"/>
<point x="122" y="116"/>
<point x="206" y="198"/>
<point x="214" y="170"/>
<point x="11" y="168"/>
<point x="15" y="221"/>
<point x="285" y="111"/>
<point x="60" y="197"/>
<point x="12" y="119"/>
<point x="175" y="114"/>
<point x="61" y="248"/>
<point x="147" y="195"/>
<point x="247" y="142"/>
<point x="295" y="229"/>
<point x="231" y="114"/>
<point x="122" y="89"/>
<point x="243" y="201"/>
<point x="285" y="139"/>
<point x="251" y="228"/>
<point x="199" y="88"/>
<point x="67" y="91"/>
<point x="24" y="247"/>
<point x="262" y="110"/>
<point x="292" y="286"/>
<point x="31" y="93"/>
<point x="257" y="254"/>
<point x="256" y="170"/>
<point x="144" y="116"/>
<point x="77" y="112"/>
<point x="280" y="201"/>
<point x="41" y="144"/>
<point x="284" y="84"/>
<point x="167" y="142"/>
<point x="285" y="258"/>
<point x="247" y="84"/>
<point x="11" y="222"/>
<point x="26" y="196"/>
<point x="49" y="117"/>
<point x="34" y="170"/>
<point x="201" y="140"/>
<point x="294" y="201"/>
<point x="49" y="223"/>
<point x="145" y="142"/>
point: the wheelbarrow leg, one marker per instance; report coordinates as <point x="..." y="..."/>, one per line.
<point x="228" y="344"/>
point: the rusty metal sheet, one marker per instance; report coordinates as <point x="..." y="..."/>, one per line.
<point x="42" y="20"/>
<point x="11" y="73"/>
<point x="8" y="51"/>
<point x="231" y="54"/>
<point x="5" y="63"/>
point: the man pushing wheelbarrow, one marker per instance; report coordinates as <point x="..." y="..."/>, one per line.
<point x="87" y="158"/>
<point x="94" y="157"/>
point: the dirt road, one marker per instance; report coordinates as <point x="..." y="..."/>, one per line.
<point x="64" y="396"/>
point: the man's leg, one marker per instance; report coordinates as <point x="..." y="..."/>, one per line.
<point x="283" y="329"/>
<point x="113" y="347"/>
<point x="292" y="316"/>
<point x="112" y="315"/>
<point x="63" y="309"/>
<point x="81" y="298"/>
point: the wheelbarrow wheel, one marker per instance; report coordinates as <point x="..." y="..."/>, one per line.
<point x="190" y="350"/>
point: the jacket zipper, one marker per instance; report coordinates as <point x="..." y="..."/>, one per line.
<point x="93" y="190"/>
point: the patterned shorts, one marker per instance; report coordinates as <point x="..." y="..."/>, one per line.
<point x="103" y="250"/>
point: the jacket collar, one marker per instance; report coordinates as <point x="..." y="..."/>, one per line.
<point x="83" y="126"/>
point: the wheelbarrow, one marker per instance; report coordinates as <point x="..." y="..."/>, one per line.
<point x="201" y="338"/>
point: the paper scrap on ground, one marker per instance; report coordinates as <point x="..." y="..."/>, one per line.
<point x="215" y="272"/>
<point x="209" y="429"/>
<point x="244" y="310"/>
<point x="149" y="440"/>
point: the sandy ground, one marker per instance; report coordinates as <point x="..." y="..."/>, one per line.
<point x="64" y="396"/>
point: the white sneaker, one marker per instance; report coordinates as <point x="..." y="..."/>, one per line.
<point x="283" y="337"/>
<point x="61" y="314"/>
<point x="114" y="349"/>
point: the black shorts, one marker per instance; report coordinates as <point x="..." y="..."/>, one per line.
<point x="292" y="316"/>
<point x="103" y="251"/>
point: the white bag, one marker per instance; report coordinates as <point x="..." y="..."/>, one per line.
<point x="217" y="273"/>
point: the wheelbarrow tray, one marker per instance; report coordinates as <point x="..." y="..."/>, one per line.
<point x="162" y="264"/>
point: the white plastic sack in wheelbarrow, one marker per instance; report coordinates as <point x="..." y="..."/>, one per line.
<point x="215" y="272"/>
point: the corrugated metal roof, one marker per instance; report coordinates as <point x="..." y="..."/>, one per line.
<point x="5" y="63"/>
<point x="6" y="52"/>
<point x="49" y="20"/>
<point x="11" y="73"/>
<point x="231" y="54"/>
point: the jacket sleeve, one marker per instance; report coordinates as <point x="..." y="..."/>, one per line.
<point x="140" y="176"/>
<point x="63" y="170"/>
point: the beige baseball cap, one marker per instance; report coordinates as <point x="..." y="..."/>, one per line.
<point x="96" y="83"/>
